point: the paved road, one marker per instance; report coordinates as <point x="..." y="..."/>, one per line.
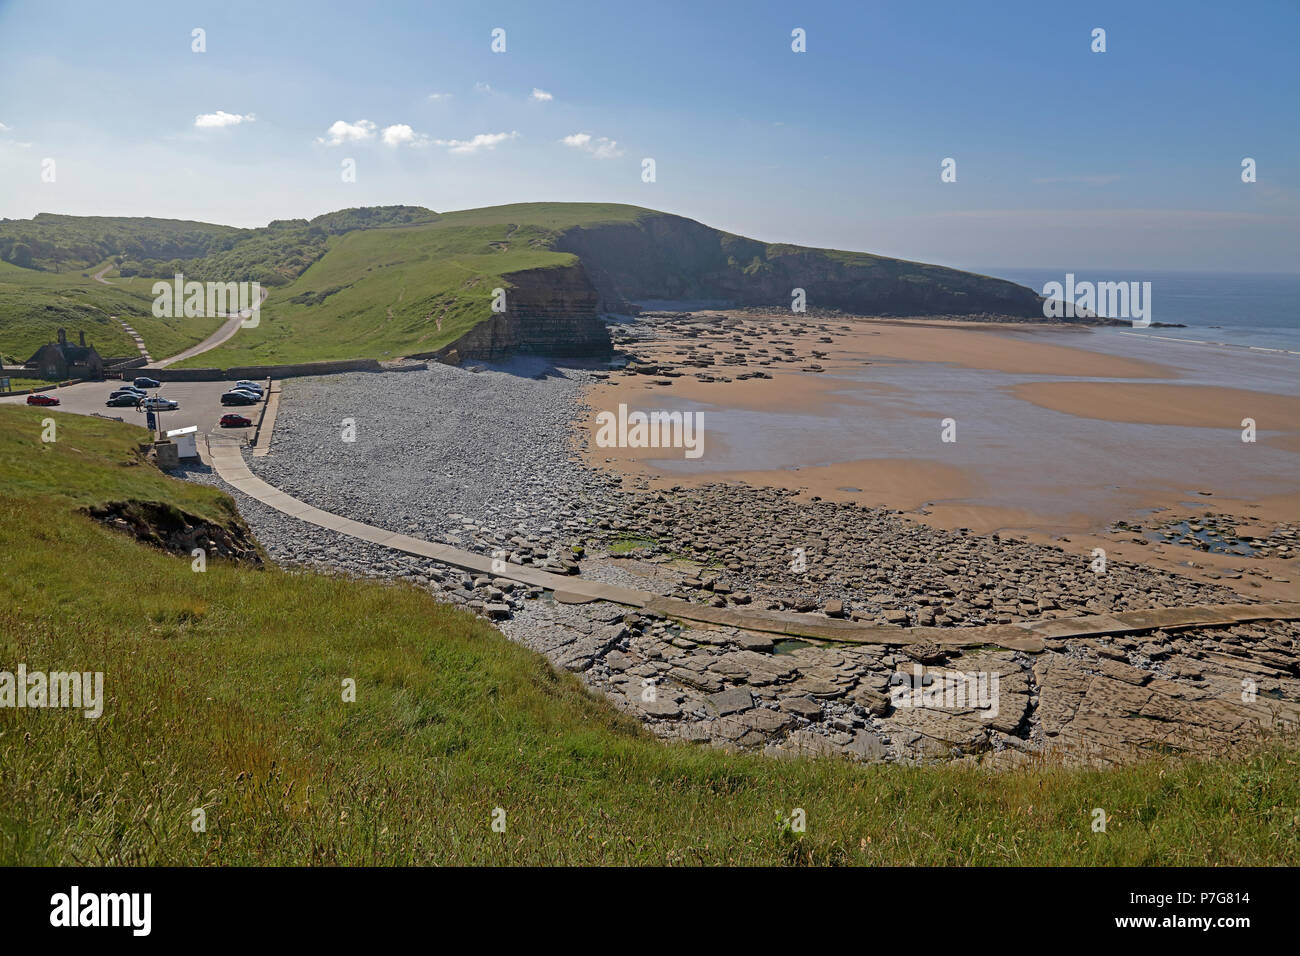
<point x="200" y="405"/>
<point x="231" y="326"/>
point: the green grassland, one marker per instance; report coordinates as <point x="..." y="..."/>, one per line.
<point x="381" y="293"/>
<point x="46" y="264"/>
<point x="35" y="305"/>
<point x="223" y="691"/>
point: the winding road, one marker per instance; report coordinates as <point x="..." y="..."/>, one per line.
<point x="223" y="334"/>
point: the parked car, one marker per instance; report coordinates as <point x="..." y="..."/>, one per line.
<point x="122" y="400"/>
<point x="235" y="421"/>
<point x="159" y="404"/>
<point x="239" y="398"/>
<point x="42" y="400"/>
<point x="127" y="391"/>
<point x="145" y="382"/>
<point x="253" y="386"/>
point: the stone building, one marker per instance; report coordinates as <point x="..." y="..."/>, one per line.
<point x="59" y="360"/>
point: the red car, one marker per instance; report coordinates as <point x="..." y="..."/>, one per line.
<point x="41" y="400"/>
<point x="235" y="421"/>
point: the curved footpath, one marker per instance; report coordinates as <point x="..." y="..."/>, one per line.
<point x="228" y="461"/>
<point x="226" y="332"/>
<point x="223" y="334"/>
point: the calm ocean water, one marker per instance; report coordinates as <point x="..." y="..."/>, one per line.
<point x="1237" y="309"/>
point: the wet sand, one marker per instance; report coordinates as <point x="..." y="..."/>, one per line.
<point x="1053" y="461"/>
<point x="1190" y="405"/>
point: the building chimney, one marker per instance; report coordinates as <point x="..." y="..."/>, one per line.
<point x="81" y="336"/>
<point x="63" y="336"/>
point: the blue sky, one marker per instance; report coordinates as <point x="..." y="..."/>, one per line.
<point x="1065" y="158"/>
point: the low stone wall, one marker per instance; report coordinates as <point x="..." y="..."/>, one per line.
<point x="44" y="388"/>
<point x="255" y="372"/>
<point x="122" y="364"/>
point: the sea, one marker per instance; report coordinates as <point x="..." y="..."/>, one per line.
<point x="1258" y="310"/>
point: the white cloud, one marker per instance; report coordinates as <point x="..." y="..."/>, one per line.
<point x="599" y="146"/>
<point x="400" y="134"/>
<point x="542" y="96"/>
<point x="221" y="119"/>
<point x="3" y="128"/>
<point x="480" y="141"/>
<point x="435" y="97"/>
<point x="341" y="132"/>
<point x="482" y="88"/>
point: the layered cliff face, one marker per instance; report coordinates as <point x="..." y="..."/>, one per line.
<point x="551" y="311"/>
<point x="659" y="256"/>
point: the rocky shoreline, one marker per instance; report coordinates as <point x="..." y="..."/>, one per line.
<point x="485" y="461"/>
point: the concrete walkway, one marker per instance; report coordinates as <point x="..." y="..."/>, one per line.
<point x="266" y="424"/>
<point x="226" y="458"/>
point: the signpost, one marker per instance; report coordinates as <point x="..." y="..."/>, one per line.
<point x="152" y="420"/>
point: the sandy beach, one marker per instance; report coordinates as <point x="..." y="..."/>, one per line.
<point x="1056" y="440"/>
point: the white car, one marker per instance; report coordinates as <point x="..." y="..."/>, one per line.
<point x="159" y="404"/>
<point x="251" y="386"/>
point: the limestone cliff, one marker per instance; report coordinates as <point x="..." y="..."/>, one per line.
<point x="660" y="256"/>
<point x="551" y="311"/>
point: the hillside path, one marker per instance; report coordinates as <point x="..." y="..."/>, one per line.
<point x="223" y="334"/>
<point x="227" y="331"/>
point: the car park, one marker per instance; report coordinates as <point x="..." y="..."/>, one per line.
<point x="42" y="400"/>
<point x="235" y="421"/>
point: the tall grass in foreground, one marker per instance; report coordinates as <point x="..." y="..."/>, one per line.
<point x="224" y="692"/>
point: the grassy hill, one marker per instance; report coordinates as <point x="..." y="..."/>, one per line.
<point x="223" y="692"/>
<point x="34" y="305"/>
<point x="396" y="291"/>
<point x="376" y="283"/>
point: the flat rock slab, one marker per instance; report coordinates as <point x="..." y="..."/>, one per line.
<point x="662" y="706"/>
<point x="731" y="701"/>
<point x="802" y="707"/>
